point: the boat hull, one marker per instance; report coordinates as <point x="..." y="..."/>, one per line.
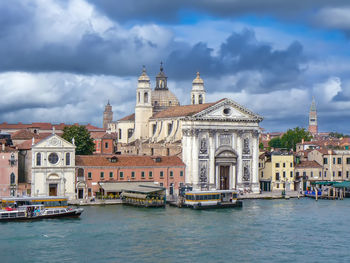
<point x="68" y="214"/>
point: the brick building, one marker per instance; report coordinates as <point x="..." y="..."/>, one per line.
<point x="167" y="171"/>
<point x="8" y="171"/>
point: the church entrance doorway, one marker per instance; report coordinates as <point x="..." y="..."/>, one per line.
<point x="52" y="189"/>
<point x="80" y="193"/>
<point x="224" y="177"/>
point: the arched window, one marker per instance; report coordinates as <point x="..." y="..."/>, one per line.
<point x="80" y="172"/>
<point x="12" y="178"/>
<point x="38" y="159"/>
<point x="139" y="96"/>
<point x="200" y="99"/>
<point x="146" y="97"/>
<point x="193" y="101"/>
<point x="67" y="158"/>
<point x="170" y="128"/>
<point x="120" y="134"/>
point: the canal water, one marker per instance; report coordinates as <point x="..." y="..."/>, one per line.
<point x="262" y="231"/>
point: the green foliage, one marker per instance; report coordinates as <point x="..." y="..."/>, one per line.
<point x="261" y="146"/>
<point x="83" y="142"/>
<point x="338" y="135"/>
<point x="294" y="136"/>
<point x="276" y="143"/>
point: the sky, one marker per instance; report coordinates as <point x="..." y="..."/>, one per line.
<point x="62" y="60"/>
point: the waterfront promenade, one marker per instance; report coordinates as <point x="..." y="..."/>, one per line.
<point x="263" y="195"/>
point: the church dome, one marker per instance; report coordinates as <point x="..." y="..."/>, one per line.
<point x="162" y="99"/>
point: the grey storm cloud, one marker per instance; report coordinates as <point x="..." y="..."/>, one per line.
<point x="239" y="53"/>
<point x="112" y="53"/>
<point x="169" y="11"/>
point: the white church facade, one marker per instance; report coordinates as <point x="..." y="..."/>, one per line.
<point x="218" y="141"/>
<point x="53" y="168"/>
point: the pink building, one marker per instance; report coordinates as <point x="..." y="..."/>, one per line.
<point x="165" y="171"/>
<point x="8" y="171"/>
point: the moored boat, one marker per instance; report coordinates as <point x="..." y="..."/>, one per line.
<point x="211" y="199"/>
<point x="33" y="208"/>
<point x="31" y="212"/>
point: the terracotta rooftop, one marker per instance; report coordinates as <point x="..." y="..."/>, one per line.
<point x="325" y="151"/>
<point x="27" y="145"/>
<point x="127" y="161"/>
<point x="308" y="164"/>
<point x="103" y="135"/>
<point x="183" y="111"/>
<point x="42" y="126"/>
<point x="23" y="134"/>
<point x="130" y="117"/>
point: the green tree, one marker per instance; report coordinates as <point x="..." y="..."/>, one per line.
<point x="261" y="146"/>
<point x="276" y="143"/>
<point x="293" y="136"/>
<point x="83" y="142"/>
<point x="338" y="135"/>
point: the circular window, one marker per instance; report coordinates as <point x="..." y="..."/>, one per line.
<point x="53" y="158"/>
<point x="227" y="111"/>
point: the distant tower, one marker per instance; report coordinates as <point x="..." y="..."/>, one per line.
<point x="143" y="109"/>
<point x="198" y="91"/>
<point x="313" y="129"/>
<point x="107" y="116"/>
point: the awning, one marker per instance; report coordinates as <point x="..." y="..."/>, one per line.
<point x="345" y="184"/>
<point x="133" y="195"/>
<point x="324" y="183"/>
<point x="120" y="186"/>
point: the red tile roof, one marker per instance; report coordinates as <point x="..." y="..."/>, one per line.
<point x="127" y="161"/>
<point x="43" y="126"/>
<point x="130" y="117"/>
<point x="27" y="145"/>
<point x="308" y="164"/>
<point x="103" y="135"/>
<point x="23" y="134"/>
<point x="182" y="111"/>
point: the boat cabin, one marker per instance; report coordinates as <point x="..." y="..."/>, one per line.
<point x="48" y="202"/>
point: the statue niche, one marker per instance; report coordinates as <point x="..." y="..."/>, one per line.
<point x="246" y="171"/>
<point x="246" y="148"/>
<point x="204" y="146"/>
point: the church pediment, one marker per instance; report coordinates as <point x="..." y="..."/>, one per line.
<point x="225" y="152"/>
<point x="54" y="141"/>
<point x="227" y="109"/>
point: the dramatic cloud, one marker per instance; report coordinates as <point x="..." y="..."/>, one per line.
<point x="62" y="60"/>
<point x="62" y="97"/>
<point x="171" y="10"/>
<point x="242" y="53"/>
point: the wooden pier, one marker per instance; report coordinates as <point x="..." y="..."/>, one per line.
<point x="328" y="190"/>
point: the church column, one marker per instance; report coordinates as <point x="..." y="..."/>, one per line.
<point x="186" y="155"/>
<point x="212" y="159"/>
<point x="195" y="151"/>
<point x="255" y="161"/>
<point x="239" y="160"/>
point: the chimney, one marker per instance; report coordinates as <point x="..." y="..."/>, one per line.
<point x="302" y="141"/>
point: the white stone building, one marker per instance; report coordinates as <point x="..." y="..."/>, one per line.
<point x="53" y="168"/>
<point x="219" y="140"/>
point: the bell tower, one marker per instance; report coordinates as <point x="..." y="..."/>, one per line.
<point x="161" y="79"/>
<point x="107" y="116"/>
<point x="143" y="109"/>
<point x="198" y="91"/>
<point x="313" y="128"/>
